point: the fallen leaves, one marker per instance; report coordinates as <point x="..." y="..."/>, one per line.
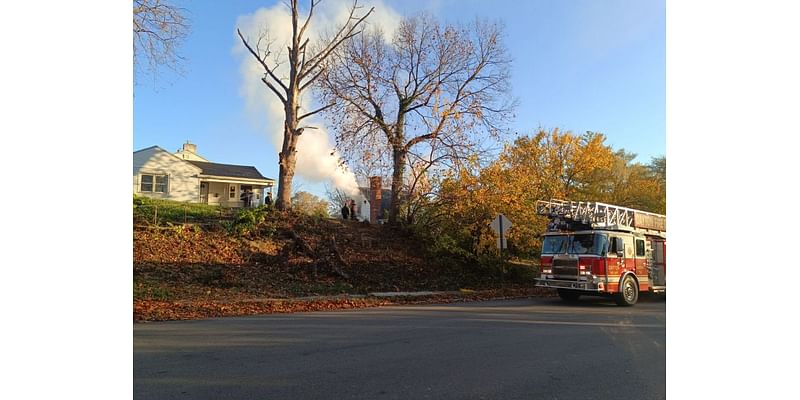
<point x="165" y="247"/>
<point x="191" y="274"/>
<point x="155" y="310"/>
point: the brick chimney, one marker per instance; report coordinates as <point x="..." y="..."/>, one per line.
<point x="375" y="188"/>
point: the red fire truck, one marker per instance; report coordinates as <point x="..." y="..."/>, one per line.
<point x="594" y="248"/>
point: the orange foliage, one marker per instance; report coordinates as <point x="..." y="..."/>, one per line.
<point x="548" y="165"/>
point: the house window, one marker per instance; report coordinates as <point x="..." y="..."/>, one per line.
<point x="154" y="183"/>
<point x="146" y="183"/>
<point x="232" y="192"/>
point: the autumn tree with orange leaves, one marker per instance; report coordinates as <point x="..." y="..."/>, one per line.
<point x="548" y="165"/>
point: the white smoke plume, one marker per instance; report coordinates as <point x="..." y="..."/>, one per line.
<point x="314" y="148"/>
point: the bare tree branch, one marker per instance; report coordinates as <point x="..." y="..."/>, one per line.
<point x="159" y="29"/>
<point x="442" y="87"/>
<point x="342" y="35"/>
<point x="306" y="115"/>
<point x="269" y="71"/>
<point x="290" y="89"/>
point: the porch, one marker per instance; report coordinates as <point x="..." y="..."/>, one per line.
<point x="234" y="193"/>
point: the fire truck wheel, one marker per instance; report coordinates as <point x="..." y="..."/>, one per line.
<point x="629" y="292"/>
<point x="568" y="295"/>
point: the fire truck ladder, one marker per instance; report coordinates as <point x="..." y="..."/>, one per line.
<point x="604" y="216"/>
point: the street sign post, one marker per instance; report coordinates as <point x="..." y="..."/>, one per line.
<point x="501" y="225"/>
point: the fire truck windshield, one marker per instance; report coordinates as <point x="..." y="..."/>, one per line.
<point x="554" y="244"/>
<point x="587" y="244"/>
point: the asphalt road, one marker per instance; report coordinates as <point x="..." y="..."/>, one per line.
<point x="520" y="349"/>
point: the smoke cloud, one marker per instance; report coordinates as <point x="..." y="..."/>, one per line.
<point x="315" y="160"/>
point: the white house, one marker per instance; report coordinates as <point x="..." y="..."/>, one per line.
<point x="185" y="176"/>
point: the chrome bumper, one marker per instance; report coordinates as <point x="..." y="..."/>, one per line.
<point x="586" y="286"/>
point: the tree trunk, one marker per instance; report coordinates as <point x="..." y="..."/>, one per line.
<point x="398" y="142"/>
<point x="288" y="159"/>
<point x="288" y="155"/>
<point x="410" y="215"/>
<point x="399" y="158"/>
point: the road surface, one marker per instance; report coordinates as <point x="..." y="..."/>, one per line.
<point x="518" y="349"/>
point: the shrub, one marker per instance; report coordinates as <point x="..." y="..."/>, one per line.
<point x="146" y="209"/>
<point x="522" y="273"/>
<point x="251" y="220"/>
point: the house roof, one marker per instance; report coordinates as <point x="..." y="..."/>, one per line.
<point x="148" y="148"/>
<point x="228" y="170"/>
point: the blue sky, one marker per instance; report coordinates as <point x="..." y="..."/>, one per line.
<point x="578" y="65"/>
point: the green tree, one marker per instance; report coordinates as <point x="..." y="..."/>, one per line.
<point x="307" y="203"/>
<point x="629" y="184"/>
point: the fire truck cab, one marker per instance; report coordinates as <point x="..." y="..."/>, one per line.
<point x="600" y="249"/>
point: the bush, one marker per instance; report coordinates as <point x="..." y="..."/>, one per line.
<point x="522" y="273"/>
<point x="246" y="221"/>
<point x="253" y="221"/>
<point x="446" y="245"/>
<point x="168" y="211"/>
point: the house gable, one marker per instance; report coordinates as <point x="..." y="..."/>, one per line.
<point x="140" y="157"/>
<point x="183" y="183"/>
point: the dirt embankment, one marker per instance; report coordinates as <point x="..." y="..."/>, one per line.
<point x="291" y="264"/>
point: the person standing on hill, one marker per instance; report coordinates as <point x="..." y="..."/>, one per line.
<point x="353" y="210"/>
<point x="268" y="200"/>
<point x="345" y="211"/>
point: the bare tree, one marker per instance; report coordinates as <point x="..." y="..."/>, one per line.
<point x="372" y="161"/>
<point x="305" y="65"/>
<point x="434" y="90"/>
<point x="337" y="198"/>
<point x="159" y="29"/>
